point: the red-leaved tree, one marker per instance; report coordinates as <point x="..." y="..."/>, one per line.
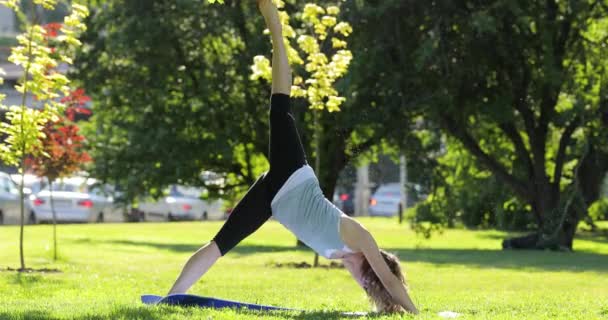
<point x="63" y="151"/>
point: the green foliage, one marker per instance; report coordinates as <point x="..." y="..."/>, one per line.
<point x="322" y="42"/>
<point x="34" y="55"/>
<point x="519" y="86"/>
<point x="173" y="96"/>
<point x="425" y="220"/>
<point x="465" y="194"/>
<point x="599" y="209"/>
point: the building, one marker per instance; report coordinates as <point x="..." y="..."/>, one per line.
<point x="8" y="26"/>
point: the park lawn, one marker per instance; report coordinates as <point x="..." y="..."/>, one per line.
<point x="106" y="267"/>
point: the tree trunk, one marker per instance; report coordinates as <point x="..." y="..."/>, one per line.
<point x="591" y="174"/>
<point x="329" y="158"/>
<point x="547" y="238"/>
<point x="317" y="162"/>
<point x="22" y="208"/>
<point x="591" y="170"/>
<point x="54" y="220"/>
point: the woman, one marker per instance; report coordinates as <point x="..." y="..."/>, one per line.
<point x="290" y="192"/>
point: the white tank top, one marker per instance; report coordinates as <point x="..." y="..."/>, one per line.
<point x="303" y="209"/>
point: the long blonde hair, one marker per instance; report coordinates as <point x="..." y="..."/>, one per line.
<point x="378" y="296"/>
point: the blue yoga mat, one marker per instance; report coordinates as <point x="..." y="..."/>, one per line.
<point x="190" y="300"/>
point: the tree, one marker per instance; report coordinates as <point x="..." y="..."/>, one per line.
<point x="62" y="151"/>
<point x="469" y="194"/>
<point x="179" y="101"/>
<point x="163" y="116"/>
<point x="39" y="60"/>
<point x="518" y="85"/>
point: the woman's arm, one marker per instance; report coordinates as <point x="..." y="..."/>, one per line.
<point x="281" y="71"/>
<point x="392" y="284"/>
<point x="358" y="238"/>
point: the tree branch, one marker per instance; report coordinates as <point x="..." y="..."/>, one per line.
<point x="521" y="104"/>
<point x="520" y="148"/>
<point x="228" y="187"/>
<point x="560" y="158"/>
<point x="470" y="144"/>
<point x="550" y="92"/>
<point x="362" y="147"/>
<point x="182" y="57"/>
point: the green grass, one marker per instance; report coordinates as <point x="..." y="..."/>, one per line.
<point x="107" y="267"/>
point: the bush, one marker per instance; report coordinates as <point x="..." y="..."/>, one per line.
<point x="465" y="193"/>
<point x="424" y="220"/>
<point x="514" y="216"/>
<point x="599" y="209"/>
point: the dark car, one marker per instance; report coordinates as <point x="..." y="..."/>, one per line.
<point x="345" y="202"/>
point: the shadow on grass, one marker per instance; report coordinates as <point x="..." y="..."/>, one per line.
<point x="29" y="280"/>
<point x="482" y="258"/>
<point x="189" y="247"/>
<point x="118" y="313"/>
<point x="29" y="315"/>
<point x="128" y="312"/>
<point x="307" y="315"/>
<point x="164" y="312"/>
<point x="530" y="260"/>
<point x="195" y="312"/>
<point x="600" y="236"/>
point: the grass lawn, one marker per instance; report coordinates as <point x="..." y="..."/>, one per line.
<point x="106" y="267"/>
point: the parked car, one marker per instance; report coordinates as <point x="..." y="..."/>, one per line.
<point x="76" y="199"/>
<point x="32" y="184"/>
<point x="182" y="203"/>
<point x="9" y="200"/>
<point x="386" y="201"/>
<point x="345" y="202"/>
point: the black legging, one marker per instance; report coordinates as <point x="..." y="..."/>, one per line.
<point x="286" y="155"/>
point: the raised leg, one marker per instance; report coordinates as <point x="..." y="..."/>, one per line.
<point x="281" y="72"/>
<point x="286" y="153"/>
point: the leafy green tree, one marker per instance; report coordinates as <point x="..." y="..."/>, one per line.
<point x="465" y="193"/>
<point x="173" y="96"/>
<point x="38" y="59"/>
<point x="518" y="85"/>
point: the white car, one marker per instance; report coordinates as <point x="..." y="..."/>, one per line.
<point x="32" y="184"/>
<point x="76" y="199"/>
<point x="386" y="201"/>
<point x="10" y="211"/>
<point x="182" y="203"/>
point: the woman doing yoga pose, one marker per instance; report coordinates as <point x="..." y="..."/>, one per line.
<point x="290" y="193"/>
